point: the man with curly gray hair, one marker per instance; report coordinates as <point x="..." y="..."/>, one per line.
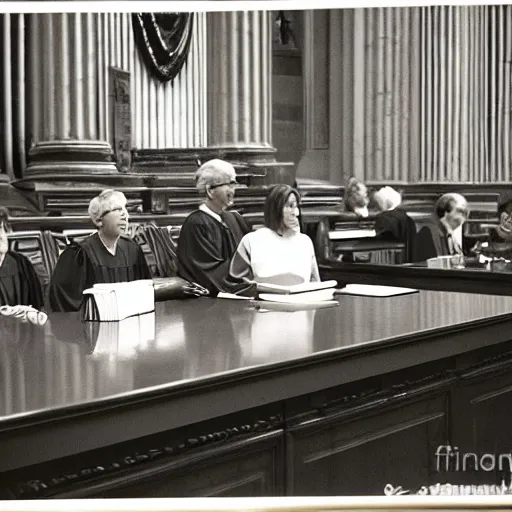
<point x="210" y="235"/>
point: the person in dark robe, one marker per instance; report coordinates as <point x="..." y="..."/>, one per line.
<point x="210" y="235"/>
<point x="392" y="223"/>
<point x="436" y="237"/>
<point x="499" y="241"/>
<point x="19" y="284"/>
<point x="107" y="256"/>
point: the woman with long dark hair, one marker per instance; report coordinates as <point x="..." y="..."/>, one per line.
<point x="277" y="253"/>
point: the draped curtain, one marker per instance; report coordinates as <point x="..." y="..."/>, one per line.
<point x="465" y="93"/>
<point x="164" y="40"/>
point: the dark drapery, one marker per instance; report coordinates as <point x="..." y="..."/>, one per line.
<point x="164" y="41"/>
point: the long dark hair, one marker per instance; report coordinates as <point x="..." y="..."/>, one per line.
<point x="4" y="218"/>
<point x="274" y="204"/>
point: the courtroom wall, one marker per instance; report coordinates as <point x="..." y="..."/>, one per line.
<point x="403" y="94"/>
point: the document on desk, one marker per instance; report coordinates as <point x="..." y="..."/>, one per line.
<point x="369" y="290"/>
<point x="299" y="298"/>
<point x="223" y="295"/>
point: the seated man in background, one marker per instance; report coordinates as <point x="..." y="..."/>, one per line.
<point x="210" y="235"/>
<point x="499" y="242"/>
<point x="436" y="237"/>
<point x="107" y="256"/>
<point x="19" y="284"/>
<point x="392" y="223"/>
<point x="356" y="197"/>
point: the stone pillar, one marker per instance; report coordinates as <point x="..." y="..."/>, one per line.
<point x="62" y="98"/>
<point x="240" y="88"/>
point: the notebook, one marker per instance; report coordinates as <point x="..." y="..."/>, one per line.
<point x="296" y="288"/>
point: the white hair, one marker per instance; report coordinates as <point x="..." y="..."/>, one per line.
<point x="105" y="202"/>
<point x="214" y="172"/>
<point x="387" y="198"/>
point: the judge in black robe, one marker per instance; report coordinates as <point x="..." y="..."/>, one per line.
<point x="19" y="284"/>
<point x="397" y="226"/>
<point x="393" y="224"/>
<point x="210" y="235"/>
<point x="108" y="256"/>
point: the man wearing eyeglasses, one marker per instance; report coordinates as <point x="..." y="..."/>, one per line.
<point x="210" y="235"/>
<point x="438" y="237"/>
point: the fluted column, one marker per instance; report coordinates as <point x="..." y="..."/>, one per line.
<point x="239" y="74"/>
<point x="64" y="101"/>
<point x="362" y="85"/>
<point x="12" y="103"/>
<point x="171" y="114"/>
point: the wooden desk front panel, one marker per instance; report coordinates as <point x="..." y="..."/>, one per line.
<point x="251" y="467"/>
<point x="360" y="455"/>
<point x="482" y="423"/>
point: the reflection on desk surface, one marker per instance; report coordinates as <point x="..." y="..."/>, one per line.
<point x="472" y="265"/>
<point x="68" y="362"/>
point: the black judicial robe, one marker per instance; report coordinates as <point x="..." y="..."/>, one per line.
<point x="89" y="262"/>
<point x="205" y="249"/>
<point x="19" y="284"/>
<point x="431" y="241"/>
<point x="396" y="225"/>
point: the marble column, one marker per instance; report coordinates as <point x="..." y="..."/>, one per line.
<point x="239" y="81"/>
<point x="64" y="103"/>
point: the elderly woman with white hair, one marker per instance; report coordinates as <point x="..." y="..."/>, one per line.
<point x="210" y="235"/>
<point x="106" y="256"/>
<point x="392" y="223"/>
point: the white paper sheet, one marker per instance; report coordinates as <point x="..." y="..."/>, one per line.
<point x="370" y="290"/>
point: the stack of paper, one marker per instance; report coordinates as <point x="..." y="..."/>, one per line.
<point x="111" y="302"/>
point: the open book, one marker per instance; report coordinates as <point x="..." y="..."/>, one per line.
<point x="111" y="302"/>
<point x="296" y="288"/>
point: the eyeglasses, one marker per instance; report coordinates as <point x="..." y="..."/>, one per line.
<point x="231" y="183"/>
<point x="118" y="209"/>
<point x="462" y="211"/>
